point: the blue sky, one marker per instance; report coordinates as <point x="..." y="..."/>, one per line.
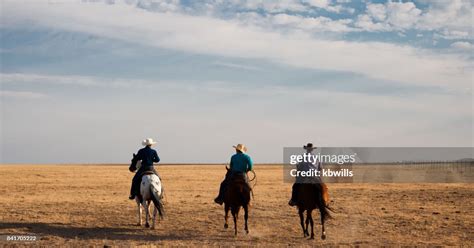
<point x="86" y="81"/>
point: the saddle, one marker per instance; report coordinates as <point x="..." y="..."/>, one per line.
<point x="150" y="172"/>
<point x="239" y="178"/>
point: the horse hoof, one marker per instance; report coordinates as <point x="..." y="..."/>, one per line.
<point x="323" y="237"/>
<point x="147" y="225"/>
<point x="247" y="231"/>
<point x="312" y="237"/>
<point x="138" y="224"/>
<point x="226" y="226"/>
<point x="152" y="228"/>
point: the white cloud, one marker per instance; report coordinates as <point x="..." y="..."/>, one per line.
<point x="427" y="119"/>
<point x="78" y="80"/>
<point x="271" y="6"/>
<point x="462" y="45"/>
<point x="366" y="23"/>
<point x="377" y="11"/>
<point x="319" y="3"/>
<point x="159" y="5"/>
<point x="453" y="19"/>
<point x="38" y="78"/>
<point x="21" y="94"/>
<point x="237" y="66"/>
<point x="454" y="15"/>
<point x="317" y="24"/>
<point x="198" y="34"/>
<point x="448" y="104"/>
<point x="452" y="34"/>
<point x="328" y="5"/>
<point x="397" y="15"/>
<point x="402" y="15"/>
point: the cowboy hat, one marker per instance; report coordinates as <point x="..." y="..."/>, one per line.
<point x="148" y="142"/>
<point x="240" y="147"/>
<point x="309" y="145"/>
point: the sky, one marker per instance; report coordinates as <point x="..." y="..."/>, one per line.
<point x="87" y="81"/>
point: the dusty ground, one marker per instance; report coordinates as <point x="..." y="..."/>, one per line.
<point x="88" y="205"/>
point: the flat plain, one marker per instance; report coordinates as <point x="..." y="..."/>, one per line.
<point x="87" y="205"/>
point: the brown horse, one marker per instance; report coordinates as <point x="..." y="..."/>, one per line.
<point x="237" y="195"/>
<point x="310" y="197"/>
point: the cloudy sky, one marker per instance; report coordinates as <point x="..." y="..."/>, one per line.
<point x="86" y="81"/>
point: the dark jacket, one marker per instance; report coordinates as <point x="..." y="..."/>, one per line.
<point x="147" y="155"/>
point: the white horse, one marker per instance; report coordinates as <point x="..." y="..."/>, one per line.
<point x="150" y="190"/>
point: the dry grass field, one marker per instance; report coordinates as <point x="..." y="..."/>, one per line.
<point x="87" y="205"/>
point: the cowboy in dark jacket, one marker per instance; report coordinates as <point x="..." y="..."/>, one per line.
<point x="315" y="180"/>
<point x="147" y="155"/>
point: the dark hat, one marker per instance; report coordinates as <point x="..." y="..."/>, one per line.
<point x="309" y="145"/>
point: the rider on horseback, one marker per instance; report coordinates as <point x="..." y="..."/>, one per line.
<point x="240" y="164"/>
<point x="147" y="155"/>
<point x="306" y="166"/>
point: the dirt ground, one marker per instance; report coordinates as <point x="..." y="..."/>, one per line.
<point x="87" y="205"/>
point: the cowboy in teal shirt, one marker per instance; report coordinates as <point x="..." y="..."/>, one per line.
<point x="240" y="164"/>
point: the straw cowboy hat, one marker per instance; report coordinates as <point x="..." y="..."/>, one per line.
<point x="148" y="142"/>
<point x="240" y="147"/>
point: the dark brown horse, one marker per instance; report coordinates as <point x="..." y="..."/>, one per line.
<point x="237" y="195"/>
<point x="310" y="197"/>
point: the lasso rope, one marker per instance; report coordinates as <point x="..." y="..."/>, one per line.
<point x="254" y="178"/>
<point x="254" y="184"/>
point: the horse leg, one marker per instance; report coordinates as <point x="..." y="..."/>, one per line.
<point x="235" y="214"/>
<point x="310" y="217"/>
<point x="155" y="210"/>
<point x="300" y="212"/>
<point x="307" y="222"/>
<point x="246" y="217"/>
<point x="323" y="235"/>
<point x="226" y="217"/>
<point x="139" y="223"/>
<point x="147" y="213"/>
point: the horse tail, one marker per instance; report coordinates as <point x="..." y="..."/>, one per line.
<point x="157" y="200"/>
<point x="325" y="212"/>
<point x="323" y="208"/>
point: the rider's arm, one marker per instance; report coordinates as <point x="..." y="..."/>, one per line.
<point x="249" y="164"/>
<point x="231" y="164"/>
<point x="156" y="159"/>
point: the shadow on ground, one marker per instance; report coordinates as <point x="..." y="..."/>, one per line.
<point x="111" y="233"/>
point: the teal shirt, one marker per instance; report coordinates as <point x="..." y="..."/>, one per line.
<point x="241" y="162"/>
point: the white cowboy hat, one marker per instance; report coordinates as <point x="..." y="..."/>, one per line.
<point x="240" y="147"/>
<point x="148" y="142"/>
